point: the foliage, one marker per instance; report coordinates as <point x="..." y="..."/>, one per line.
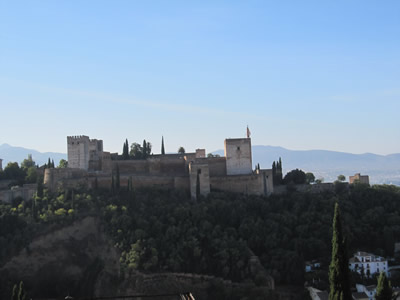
<point x="50" y="164"/>
<point x="295" y="177"/>
<point x="136" y="151"/>
<point x="13" y="172"/>
<point x="140" y="152"/>
<point x="277" y="172"/>
<point x="181" y="150"/>
<point x="125" y="150"/>
<point x="162" y="146"/>
<point x="341" y="178"/>
<point x="310" y="178"/>
<point x="63" y="164"/>
<point x="339" y="277"/>
<point x="162" y="230"/>
<point x="28" y="163"/>
<point x="384" y="289"/>
<point x="18" y="292"/>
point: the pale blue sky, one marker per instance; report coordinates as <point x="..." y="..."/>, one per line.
<point x="301" y="74"/>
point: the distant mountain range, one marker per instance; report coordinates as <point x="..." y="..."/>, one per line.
<point x="17" y="154"/>
<point x="324" y="164"/>
<point x="329" y="164"/>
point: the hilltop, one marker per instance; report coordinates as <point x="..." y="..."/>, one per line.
<point x="382" y="169"/>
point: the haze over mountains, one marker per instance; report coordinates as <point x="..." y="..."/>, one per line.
<point x="17" y="154"/>
<point x="329" y="164"/>
<point x="324" y="164"/>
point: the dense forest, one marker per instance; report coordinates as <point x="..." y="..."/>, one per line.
<point x="158" y="230"/>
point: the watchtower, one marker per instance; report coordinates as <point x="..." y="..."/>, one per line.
<point x="238" y="156"/>
<point x="84" y="153"/>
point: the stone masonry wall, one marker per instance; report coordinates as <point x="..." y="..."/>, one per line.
<point x="238" y="156"/>
<point x="200" y="171"/>
<point x="246" y="184"/>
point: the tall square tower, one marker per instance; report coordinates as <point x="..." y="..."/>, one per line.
<point x="238" y="156"/>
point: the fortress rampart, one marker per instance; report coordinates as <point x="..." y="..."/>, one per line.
<point x="89" y="165"/>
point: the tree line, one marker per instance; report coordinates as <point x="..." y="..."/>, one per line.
<point x="162" y="230"/>
<point x="142" y="151"/>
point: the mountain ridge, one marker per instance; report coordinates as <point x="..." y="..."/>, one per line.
<point x="11" y="153"/>
<point x="327" y="164"/>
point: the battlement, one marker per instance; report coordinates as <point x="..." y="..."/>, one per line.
<point x="77" y="138"/>
<point x="191" y="171"/>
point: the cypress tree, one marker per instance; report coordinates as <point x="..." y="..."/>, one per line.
<point x="274" y="178"/>
<point x="198" y="185"/>
<point x="39" y="191"/>
<point x="162" y="146"/>
<point x="130" y="184"/>
<point x="117" y="180"/>
<point x="14" y="293"/>
<point x="144" y="149"/>
<point x="125" y="150"/>
<point x="339" y="275"/>
<point x="384" y="289"/>
<point x="21" y="292"/>
<point x="49" y="163"/>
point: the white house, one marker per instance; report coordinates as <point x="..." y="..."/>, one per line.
<point x="369" y="290"/>
<point x="368" y="264"/>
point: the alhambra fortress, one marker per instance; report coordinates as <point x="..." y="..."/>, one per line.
<point x="89" y="165"/>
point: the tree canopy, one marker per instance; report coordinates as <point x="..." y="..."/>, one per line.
<point x="181" y="150"/>
<point x="339" y="274"/>
<point x="295" y="177"/>
<point x="384" y="289"/>
<point x="140" y="151"/>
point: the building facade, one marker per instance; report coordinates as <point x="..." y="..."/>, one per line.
<point x="368" y="264"/>
<point x="89" y="165"/>
<point x="359" y="178"/>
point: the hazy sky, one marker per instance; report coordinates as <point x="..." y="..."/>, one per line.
<point x="301" y="74"/>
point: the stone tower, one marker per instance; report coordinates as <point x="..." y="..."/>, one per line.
<point x="199" y="176"/>
<point x="238" y="156"/>
<point x="84" y="153"/>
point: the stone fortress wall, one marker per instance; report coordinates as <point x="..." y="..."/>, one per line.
<point x="89" y="165"/>
<point x="27" y="191"/>
<point x="238" y="156"/>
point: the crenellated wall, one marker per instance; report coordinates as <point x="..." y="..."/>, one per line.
<point x="26" y="192"/>
<point x="252" y="184"/>
<point x="89" y="165"/>
<point x="60" y="176"/>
